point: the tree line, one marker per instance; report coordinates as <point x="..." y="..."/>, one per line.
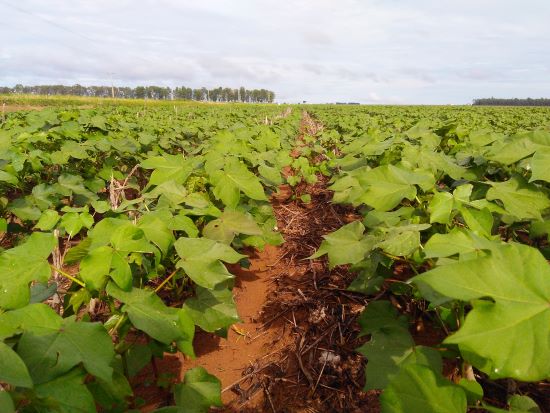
<point x="219" y="94"/>
<point x="511" y="102"/>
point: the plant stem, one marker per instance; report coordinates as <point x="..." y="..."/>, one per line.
<point x="162" y="284"/>
<point x="120" y="321"/>
<point x="69" y="276"/>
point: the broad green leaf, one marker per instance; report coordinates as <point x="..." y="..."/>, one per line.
<point x="346" y="245"/>
<point x="95" y="268"/>
<point x="391" y="345"/>
<point x="24" y="209"/>
<point x="270" y="174"/>
<point x="67" y="394"/>
<point x="402" y="241"/>
<point x="379" y="315"/>
<point x="479" y="221"/>
<point x="148" y="313"/>
<point x="74" y="222"/>
<point x="212" y="310"/>
<point x="391" y="218"/>
<point x="508" y="337"/>
<point x="451" y="243"/>
<point x="517" y="404"/>
<point x="472" y="389"/>
<point x="36" y="318"/>
<point x="42" y="291"/>
<point x="156" y="231"/>
<point x="47" y="220"/>
<point x="74" y="185"/>
<point x="539" y="165"/>
<point x="200" y="259"/>
<point x="129" y="238"/>
<point x="523" y="403"/>
<point x="521" y="199"/>
<point x="510" y="152"/>
<point x="419" y="389"/>
<point x="229" y="224"/>
<point x="367" y="282"/>
<point x="9" y="178"/>
<point x="198" y="392"/>
<point x="441" y="206"/>
<point x="21" y="265"/>
<point x="74" y="343"/>
<point x="169" y="168"/>
<point x="386" y="186"/>
<point x="174" y="192"/>
<point x="183" y="223"/>
<point x="6" y="402"/>
<point x="12" y="369"/>
<point x="121" y="273"/>
<point x="233" y="179"/>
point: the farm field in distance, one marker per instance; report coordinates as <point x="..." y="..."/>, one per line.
<point x="172" y="256"/>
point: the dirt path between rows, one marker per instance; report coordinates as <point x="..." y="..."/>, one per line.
<point x="294" y="350"/>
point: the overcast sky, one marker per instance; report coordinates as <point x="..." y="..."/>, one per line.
<point x="369" y="51"/>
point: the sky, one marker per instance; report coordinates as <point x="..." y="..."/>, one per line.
<point x="367" y="51"/>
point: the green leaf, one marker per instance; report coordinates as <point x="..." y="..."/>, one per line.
<point x="507" y="337"/>
<point x="386" y="186"/>
<point x="9" y="178"/>
<point x="182" y="222"/>
<point x="402" y="241"/>
<point x="419" y="389"/>
<point x="67" y="394"/>
<point x="129" y="238"/>
<point x="521" y="199"/>
<point x="479" y="221"/>
<point x="95" y="267"/>
<point x="199" y="391"/>
<point x="24" y="209"/>
<point x="345" y="245"/>
<point x="523" y="404"/>
<point x="391" y="345"/>
<point x="74" y="222"/>
<point x="157" y="232"/>
<point x="60" y="351"/>
<point x="200" y="259"/>
<point x="48" y="220"/>
<point x="270" y="174"/>
<point x="212" y="310"/>
<point x="21" y="265"/>
<point x="12" y="369"/>
<point x="455" y="242"/>
<point x="121" y="273"/>
<point x="171" y="190"/>
<point x="379" y="315"/>
<point x="169" y="168"/>
<point x="42" y="291"/>
<point x="100" y="206"/>
<point x="472" y="389"/>
<point x="37" y="318"/>
<point x="509" y="152"/>
<point x="234" y="178"/>
<point x="440" y="208"/>
<point x="229" y="224"/>
<point x="539" y="165"/>
<point x="6" y="402"/>
<point x="148" y="313"/>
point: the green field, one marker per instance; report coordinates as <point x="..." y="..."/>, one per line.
<point x="117" y="220"/>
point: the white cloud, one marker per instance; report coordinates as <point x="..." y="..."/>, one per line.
<point x="379" y="51"/>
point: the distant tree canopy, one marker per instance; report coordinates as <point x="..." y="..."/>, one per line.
<point x="218" y="94"/>
<point x="512" y="102"/>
